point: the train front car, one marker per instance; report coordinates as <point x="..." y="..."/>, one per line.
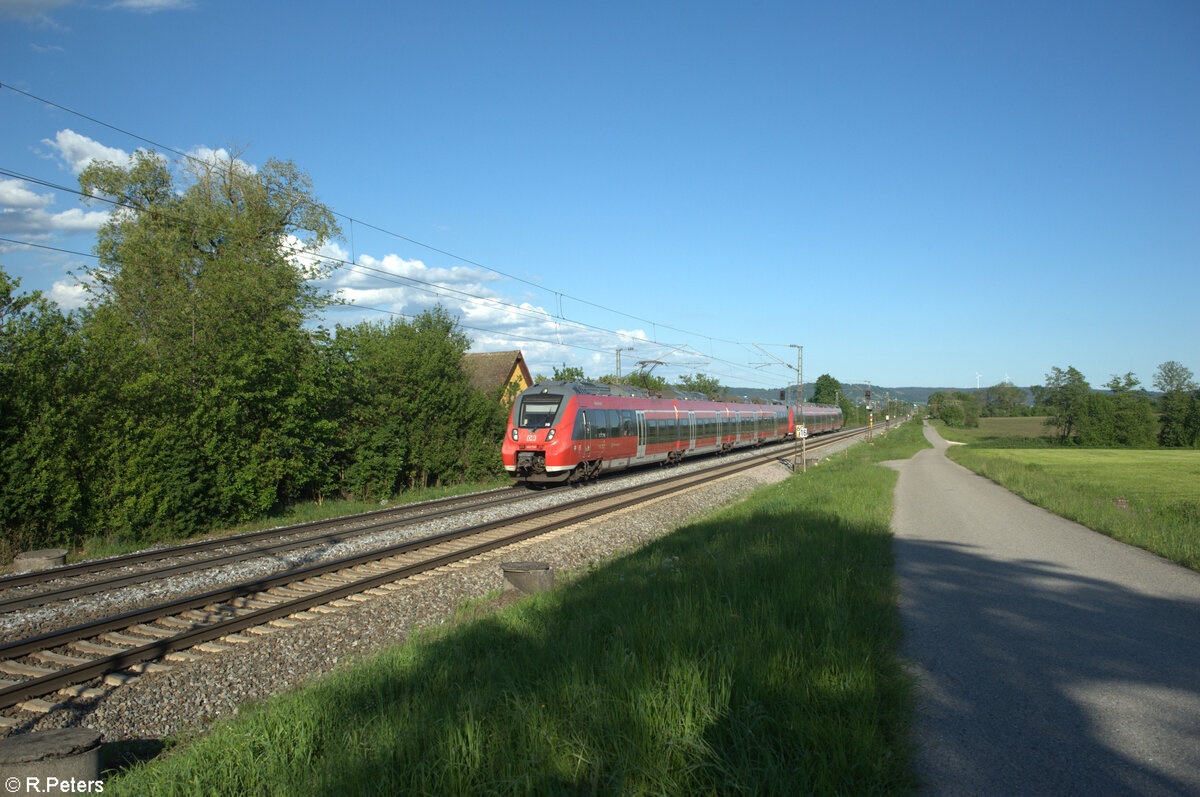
<point x="537" y="446"/>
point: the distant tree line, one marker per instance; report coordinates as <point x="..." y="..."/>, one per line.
<point x="192" y="391"/>
<point x="1124" y="415"/>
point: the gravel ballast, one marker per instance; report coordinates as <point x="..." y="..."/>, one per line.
<point x="193" y="694"/>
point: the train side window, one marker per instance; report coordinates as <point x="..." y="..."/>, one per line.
<point x="628" y="423"/>
<point x="580" y="431"/>
<point x="614" y="423"/>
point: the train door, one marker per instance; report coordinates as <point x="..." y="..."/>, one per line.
<point x="641" y="433"/>
<point x="584" y="426"/>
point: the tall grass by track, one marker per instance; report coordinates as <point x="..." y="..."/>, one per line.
<point x="1147" y="498"/>
<point x="751" y="651"/>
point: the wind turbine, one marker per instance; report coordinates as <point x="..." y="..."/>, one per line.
<point x="978" y="376"/>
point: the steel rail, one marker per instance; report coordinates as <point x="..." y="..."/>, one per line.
<point x="91" y="587"/>
<point x="126" y="560"/>
<point x="139" y="557"/>
<point x="13" y="695"/>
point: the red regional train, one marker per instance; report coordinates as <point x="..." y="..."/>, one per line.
<point x="571" y="431"/>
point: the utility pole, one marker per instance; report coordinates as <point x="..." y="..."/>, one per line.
<point x="627" y="348"/>
<point x="870" y="414"/>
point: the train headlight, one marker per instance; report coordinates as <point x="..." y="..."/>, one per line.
<point x="550" y="435"/>
<point x="514" y="434"/>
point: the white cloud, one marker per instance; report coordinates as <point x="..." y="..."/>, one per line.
<point x="25" y="212"/>
<point x="30" y="10"/>
<point x="151" y="6"/>
<point x="77" y="151"/>
<point x="69" y="295"/>
<point x="17" y="195"/>
<point x="219" y="157"/>
<point x="495" y="321"/>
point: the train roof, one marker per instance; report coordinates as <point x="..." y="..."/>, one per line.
<point x="629" y="391"/>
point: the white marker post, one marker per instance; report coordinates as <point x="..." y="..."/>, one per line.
<point x="802" y="433"/>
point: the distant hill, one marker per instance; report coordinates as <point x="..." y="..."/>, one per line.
<point x="857" y="393"/>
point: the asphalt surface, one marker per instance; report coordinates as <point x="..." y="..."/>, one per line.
<point x="1050" y="659"/>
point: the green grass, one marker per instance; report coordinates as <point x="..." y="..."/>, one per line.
<point x="98" y="547"/>
<point x="751" y="651"/>
<point x="1147" y="498"/>
<point x="1028" y="432"/>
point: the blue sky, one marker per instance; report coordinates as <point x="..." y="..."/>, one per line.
<point x="916" y="192"/>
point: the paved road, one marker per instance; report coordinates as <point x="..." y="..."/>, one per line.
<point x="1052" y="660"/>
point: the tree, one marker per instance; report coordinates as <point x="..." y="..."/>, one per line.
<point x="636" y="379"/>
<point x="935" y="401"/>
<point x="701" y="383"/>
<point x="1002" y="400"/>
<point x="1172" y="377"/>
<point x="951" y="413"/>
<point x="197" y="314"/>
<point x="826" y="390"/>
<point x="568" y="373"/>
<point x="414" y="419"/>
<point x="1176" y="404"/>
<point x="1065" y="394"/>
<point x="46" y="423"/>
<point x="970" y="407"/>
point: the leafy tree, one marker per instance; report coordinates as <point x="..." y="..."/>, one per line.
<point x="701" y="383"/>
<point x="950" y="411"/>
<point x="636" y="379"/>
<point x="1115" y="421"/>
<point x="414" y="419"/>
<point x="568" y="373"/>
<point x="1041" y="396"/>
<point x="1176" y="405"/>
<point x="197" y="316"/>
<point x="935" y="401"/>
<point x="1002" y="400"/>
<point x="1065" y="394"/>
<point x="826" y="390"/>
<point x="970" y="408"/>
<point x="45" y="423"/>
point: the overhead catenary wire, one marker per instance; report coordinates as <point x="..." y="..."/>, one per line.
<point x="355" y="221"/>
<point x="384" y="275"/>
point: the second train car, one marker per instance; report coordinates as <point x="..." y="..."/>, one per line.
<point x="570" y="431"/>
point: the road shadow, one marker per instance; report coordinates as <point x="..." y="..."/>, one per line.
<point x="1036" y="680"/>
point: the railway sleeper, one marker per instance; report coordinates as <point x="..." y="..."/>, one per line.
<point x="203" y="617"/>
<point x="82" y="692"/>
<point x="39" y="705"/>
<point x="143" y="667"/>
<point x="27" y="670"/>
<point x="50" y="657"/>
<point x="127" y="640"/>
<point x="180" y="624"/>
<point x="95" y="648"/>
<point x="153" y="631"/>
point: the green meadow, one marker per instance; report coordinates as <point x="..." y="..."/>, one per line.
<point x="752" y="650"/>
<point x="1147" y="498"/>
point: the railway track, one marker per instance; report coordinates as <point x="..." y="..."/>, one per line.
<point x="81" y="661"/>
<point x="85" y="578"/>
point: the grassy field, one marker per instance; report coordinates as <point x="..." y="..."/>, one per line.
<point x="1147" y="498"/>
<point x="1002" y="433"/>
<point x="751" y="651"/>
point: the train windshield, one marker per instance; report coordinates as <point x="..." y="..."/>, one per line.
<point x="537" y="412"/>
